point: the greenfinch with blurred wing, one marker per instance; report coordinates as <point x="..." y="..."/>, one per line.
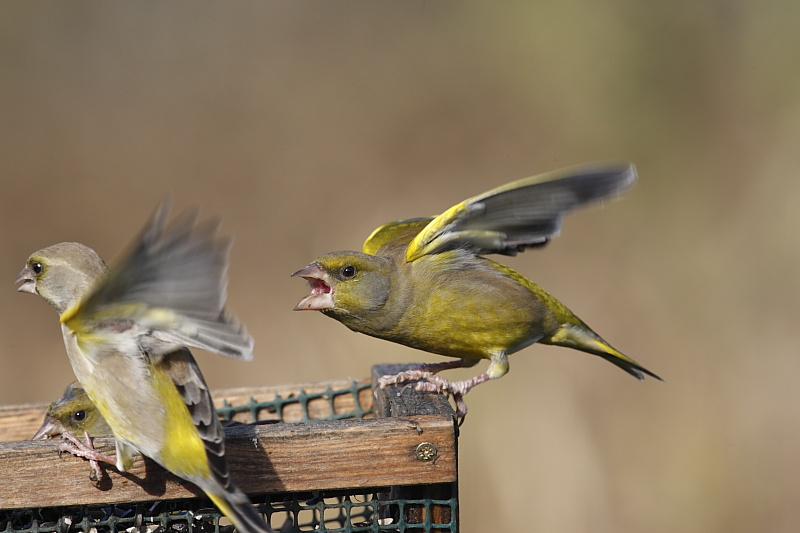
<point x="425" y="282"/>
<point x="126" y="333"/>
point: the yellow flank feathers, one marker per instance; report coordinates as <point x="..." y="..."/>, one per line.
<point x="185" y="455"/>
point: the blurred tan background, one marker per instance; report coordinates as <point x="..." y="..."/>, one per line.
<point x="307" y="124"/>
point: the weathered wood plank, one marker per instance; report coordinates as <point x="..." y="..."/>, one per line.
<point x="264" y="458"/>
<point x="20" y="422"/>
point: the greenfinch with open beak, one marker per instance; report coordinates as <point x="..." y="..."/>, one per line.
<point x="127" y="331"/>
<point x="425" y="282"/>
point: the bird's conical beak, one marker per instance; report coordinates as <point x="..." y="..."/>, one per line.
<point x="26" y="278"/>
<point x="321" y="296"/>
<point x="50" y="428"/>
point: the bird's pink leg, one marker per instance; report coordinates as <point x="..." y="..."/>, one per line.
<point x="439" y="384"/>
<point x="74" y="446"/>
<point x="434" y="383"/>
<point x="457" y="388"/>
<point x="425" y="371"/>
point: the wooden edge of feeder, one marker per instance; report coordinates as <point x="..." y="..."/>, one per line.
<point x="263" y="458"/>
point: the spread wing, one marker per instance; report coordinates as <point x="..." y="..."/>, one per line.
<point x="520" y="214"/>
<point x="173" y="282"/>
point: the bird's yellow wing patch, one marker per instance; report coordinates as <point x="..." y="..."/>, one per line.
<point x="79" y="321"/>
<point x="394" y="233"/>
<point x="421" y="244"/>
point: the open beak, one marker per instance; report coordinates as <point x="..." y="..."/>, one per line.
<point x="26" y="278"/>
<point x="321" y="296"/>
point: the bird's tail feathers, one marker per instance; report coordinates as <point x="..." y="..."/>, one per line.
<point x="237" y="507"/>
<point x="584" y="339"/>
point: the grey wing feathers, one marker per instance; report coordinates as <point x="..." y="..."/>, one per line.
<point x="192" y="388"/>
<point x="182" y="268"/>
<point x="225" y="336"/>
<point x="528" y="212"/>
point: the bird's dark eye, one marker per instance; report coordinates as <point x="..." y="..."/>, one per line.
<point x="79" y="416"/>
<point x="348" y="271"/>
<point x="37" y="267"/>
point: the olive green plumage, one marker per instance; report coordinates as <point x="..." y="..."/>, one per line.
<point x="425" y="282"/>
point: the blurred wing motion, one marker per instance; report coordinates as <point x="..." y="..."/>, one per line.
<point x="126" y="334"/>
<point x="173" y="282"/>
<point x="520" y="214"/>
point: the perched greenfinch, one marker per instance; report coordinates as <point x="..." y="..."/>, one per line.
<point x="73" y="413"/>
<point x="126" y="333"/>
<point x="425" y="282"/>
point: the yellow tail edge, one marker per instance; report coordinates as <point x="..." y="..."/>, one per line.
<point x="580" y="337"/>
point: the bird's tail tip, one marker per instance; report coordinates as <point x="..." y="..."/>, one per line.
<point x="586" y="340"/>
<point x="244" y="516"/>
<point x="627" y="364"/>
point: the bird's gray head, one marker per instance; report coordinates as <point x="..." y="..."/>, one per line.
<point x="62" y="274"/>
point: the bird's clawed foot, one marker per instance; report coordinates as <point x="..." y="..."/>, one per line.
<point x="457" y="389"/>
<point x="411" y="375"/>
<point x="73" y="445"/>
<point x="435" y="383"/>
<point x="426" y="372"/>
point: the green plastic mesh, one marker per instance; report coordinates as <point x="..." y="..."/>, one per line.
<point x="303" y="399"/>
<point x="328" y="511"/>
<point x="433" y="508"/>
